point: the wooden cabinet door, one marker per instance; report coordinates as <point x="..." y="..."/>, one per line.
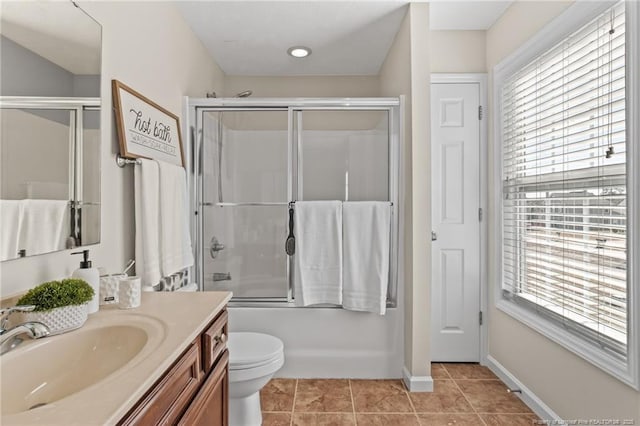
<point x="210" y="406"/>
<point x="168" y="398"/>
<point x="214" y="341"/>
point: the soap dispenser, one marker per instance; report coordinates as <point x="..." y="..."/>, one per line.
<point x="92" y="277"/>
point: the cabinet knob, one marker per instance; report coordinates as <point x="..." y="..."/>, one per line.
<point x="222" y="338"/>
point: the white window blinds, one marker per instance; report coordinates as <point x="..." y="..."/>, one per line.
<point x="564" y="183"/>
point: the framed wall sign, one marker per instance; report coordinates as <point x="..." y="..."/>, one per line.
<point x="145" y="129"/>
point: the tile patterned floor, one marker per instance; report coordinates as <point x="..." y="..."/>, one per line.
<point x="464" y="395"/>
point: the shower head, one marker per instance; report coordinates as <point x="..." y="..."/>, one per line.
<point x="244" y="94"/>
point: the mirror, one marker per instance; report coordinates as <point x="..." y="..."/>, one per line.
<point x="49" y="128"/>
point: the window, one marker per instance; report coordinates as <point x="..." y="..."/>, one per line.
<point x="564" y="182"/>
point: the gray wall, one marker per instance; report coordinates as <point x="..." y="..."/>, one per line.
<point x="24" y="73"/>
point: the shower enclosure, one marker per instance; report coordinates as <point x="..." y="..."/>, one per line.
<point x="252" y="157"/>
<point x="248" y="159"/>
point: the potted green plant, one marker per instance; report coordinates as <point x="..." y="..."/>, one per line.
<point x="60" y="305"/>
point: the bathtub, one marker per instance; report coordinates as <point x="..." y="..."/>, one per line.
<point x="329" y="342"/>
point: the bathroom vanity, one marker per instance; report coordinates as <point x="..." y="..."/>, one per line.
<point x="165" y="362"/>
<point x="195" y="390"/>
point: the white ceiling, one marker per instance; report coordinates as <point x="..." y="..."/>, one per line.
<point x="55" y="30"/>
<point x="252" y="37"/>
<point x="465" y="15"/>
<point x="346" y="37"/>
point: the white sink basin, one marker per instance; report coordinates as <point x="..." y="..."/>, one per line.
<point x="50" y="369"/>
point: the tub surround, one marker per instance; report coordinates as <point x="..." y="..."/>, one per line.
<point x="175" y="321"/>
<point x="367" y="346"/>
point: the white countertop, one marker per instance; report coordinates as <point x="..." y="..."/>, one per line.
<point x="175" y="320"/>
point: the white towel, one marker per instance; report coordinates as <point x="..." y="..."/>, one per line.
<point x="147" y="206"/>
<point x="318" y="257"/>
<point x="366" y="233"/>
<point x="44" y="226"/>
<point x="10" y="216"/>
<point x="175" y="238"/>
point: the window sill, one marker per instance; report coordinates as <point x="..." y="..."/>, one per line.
<point x="621" y="370"/>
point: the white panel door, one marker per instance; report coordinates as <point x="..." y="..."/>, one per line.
<point x="455" y="156"/>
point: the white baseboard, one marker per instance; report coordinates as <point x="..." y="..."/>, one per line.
<point x="417" y="383"/>
<point x="528" y="397"/>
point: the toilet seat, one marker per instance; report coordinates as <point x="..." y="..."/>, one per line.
<point x="253" y="350"/>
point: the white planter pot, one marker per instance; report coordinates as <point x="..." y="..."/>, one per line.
<point x="59" y="320"/>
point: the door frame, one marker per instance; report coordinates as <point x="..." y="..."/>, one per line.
<point x="480" y="79"/>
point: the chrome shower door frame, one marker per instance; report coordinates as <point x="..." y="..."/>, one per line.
<point x="76" y="107"/>
<point x="193" y="126"/>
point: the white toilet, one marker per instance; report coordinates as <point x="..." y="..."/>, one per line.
<point x="253" y="360"/>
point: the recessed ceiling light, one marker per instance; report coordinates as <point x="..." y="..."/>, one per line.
<point x="299" y="51"/>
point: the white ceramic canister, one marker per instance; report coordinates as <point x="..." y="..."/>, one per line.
<point x="109" y="288"/>
<point x="129" y="292"/>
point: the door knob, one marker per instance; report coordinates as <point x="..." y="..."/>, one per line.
<point x="434" y="236"/>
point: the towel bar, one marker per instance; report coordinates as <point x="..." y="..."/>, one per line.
<point x="291" y="203"/>
<point x="123" y="161"/>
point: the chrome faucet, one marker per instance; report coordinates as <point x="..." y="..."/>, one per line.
<point x="9" y="338"/>
<point x="221" y="276"/>
<point x="215" y="247"/>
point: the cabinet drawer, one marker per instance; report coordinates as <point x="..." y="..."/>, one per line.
<point x="214" y="341"/>
<point x="168" y="398"/>
<point x="210" y="406"/>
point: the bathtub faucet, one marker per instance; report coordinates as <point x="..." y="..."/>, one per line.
<point x="221" y="276"/>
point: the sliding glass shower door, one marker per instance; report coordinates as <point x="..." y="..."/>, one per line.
<point x="343" y="155"/>
<point x="245" y="184"/>
<point x="253" y="161"/>
<point x="349" y="155"/>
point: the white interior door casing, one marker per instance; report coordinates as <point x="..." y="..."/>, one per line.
<point x="455" y="156"/>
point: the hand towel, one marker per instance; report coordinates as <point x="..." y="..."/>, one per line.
<point x="318" y="258"/>
<point x="147" y="206"/>
<point x="175" y="238"/>
<point x="366" y="227"/>
<point x="10" y="217"/>
<point x="44" y="226"/>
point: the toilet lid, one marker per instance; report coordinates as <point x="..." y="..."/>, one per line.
<point x="248" y="350"/>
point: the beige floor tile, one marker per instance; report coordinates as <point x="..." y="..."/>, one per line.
<point x="323" y="385"/>
<point x="380" y="396"/>
<point x="324" y="419"/>
<point x="276" y="419"/>
<point x="511" y="419"/>
<point x="445" y="398"/>
<point x="460" y="391"/>
<point x="491" y="396"/>
<point x="277" y="395"/>
<point x="387" y="419"/>
<point x="317" y="395"/>
<point x="438" y="371"/>
<point x="446" y="419"/>
<point x="468" y="371"/>
<point x="358" y="385"/>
